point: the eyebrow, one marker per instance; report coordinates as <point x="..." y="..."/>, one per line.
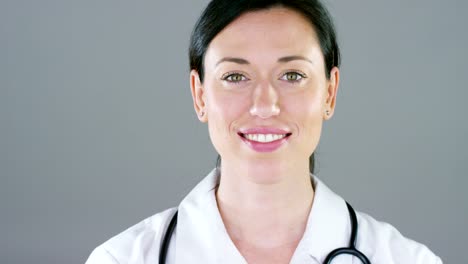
<point x="295" y="57"/>
<point x="235" y="60"/>
<point x="244" y="61"/>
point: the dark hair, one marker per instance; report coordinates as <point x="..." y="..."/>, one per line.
<point x="220" y="13"/>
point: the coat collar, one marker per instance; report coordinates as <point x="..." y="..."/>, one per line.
<point x="201" y="235"/>
<point x="328" y="226"/>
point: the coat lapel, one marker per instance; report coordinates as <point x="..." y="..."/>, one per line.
<point x="201" y="235"/>
<point x="328" y="227"/>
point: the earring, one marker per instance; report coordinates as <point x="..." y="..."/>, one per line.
<point x="202" y="113"/>
<point x="327" y="112"/>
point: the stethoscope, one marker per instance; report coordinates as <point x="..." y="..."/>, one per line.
<point x="350" y="250"/>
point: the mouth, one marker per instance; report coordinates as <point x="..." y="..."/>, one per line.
<point x="264" y="138"/>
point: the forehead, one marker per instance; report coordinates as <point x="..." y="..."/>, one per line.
<point x="273" y="32"/>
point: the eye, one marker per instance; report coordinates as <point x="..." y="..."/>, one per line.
<point x="293" y="76"/>
<point x="234" y="77"/>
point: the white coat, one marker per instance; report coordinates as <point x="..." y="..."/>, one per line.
<point x="200" y="235"/>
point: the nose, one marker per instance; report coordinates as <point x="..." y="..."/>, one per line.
<point x="265" y="101"/>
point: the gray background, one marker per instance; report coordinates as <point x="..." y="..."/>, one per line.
<point x="97" y="129"/>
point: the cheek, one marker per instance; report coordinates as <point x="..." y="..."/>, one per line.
<point x="224" y="105"/>
<point x="306" y="108"/>
<point x="224" y="109"/>
<point x="305" y="112"/>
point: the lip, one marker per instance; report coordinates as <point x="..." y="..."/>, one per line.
<point x="264" y="130"/>
<point x="264" y="146"/>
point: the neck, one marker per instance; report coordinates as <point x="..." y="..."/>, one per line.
<point x="265" y="205"/>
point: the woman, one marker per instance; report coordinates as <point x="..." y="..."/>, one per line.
<point x="264" y="76"/>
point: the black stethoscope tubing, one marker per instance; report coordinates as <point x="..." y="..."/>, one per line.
<point x="350" y="250"/>
<point x="167" y="238"/>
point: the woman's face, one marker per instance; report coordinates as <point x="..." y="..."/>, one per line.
<point x="265" y="93"/>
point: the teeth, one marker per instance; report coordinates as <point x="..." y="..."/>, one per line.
<point x="264" y="138"/>
<point x="261" y="138"/>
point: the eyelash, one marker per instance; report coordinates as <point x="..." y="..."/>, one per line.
<point x="227" y="77"/>
<point x="231" y="74"/>
<point x="300" y="75"/>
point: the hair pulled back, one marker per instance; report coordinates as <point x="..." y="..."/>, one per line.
<point x="220" y="13"/>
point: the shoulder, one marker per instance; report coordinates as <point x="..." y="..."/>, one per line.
<point x="137" y="244"/>
<point x="383" y="243"/>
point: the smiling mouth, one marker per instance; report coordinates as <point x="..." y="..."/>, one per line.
<point x="264" y="138"/>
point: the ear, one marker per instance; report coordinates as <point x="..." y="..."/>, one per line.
<point x="198" y="96"/>
<point x="332" y="89"/>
